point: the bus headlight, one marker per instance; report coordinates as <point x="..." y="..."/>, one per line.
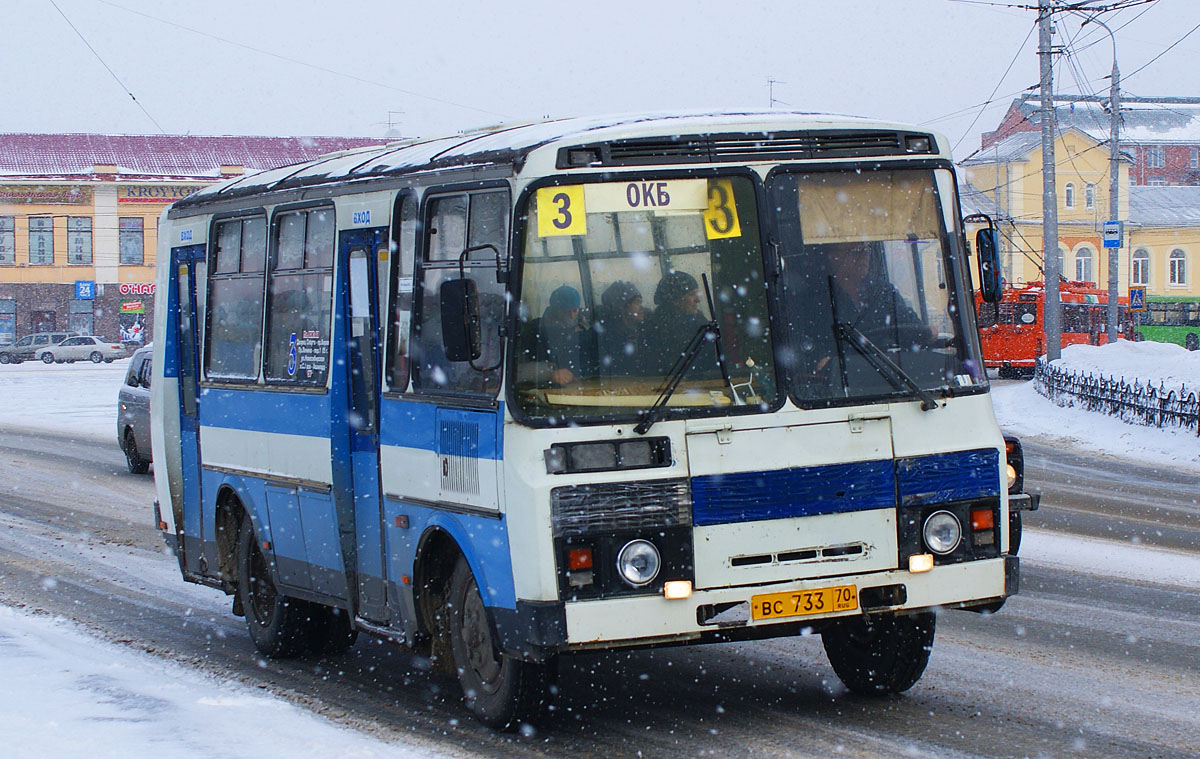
<point x="638" y="562"/>
<point x="942" y="532"/>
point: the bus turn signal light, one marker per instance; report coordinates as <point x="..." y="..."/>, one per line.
<point x="982" y="519"/>
<point x="579" y="558"/>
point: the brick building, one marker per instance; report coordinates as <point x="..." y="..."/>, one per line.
<point x="1160" y="135"/>
<point x="79" y="219"/>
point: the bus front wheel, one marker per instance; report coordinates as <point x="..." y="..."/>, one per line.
<point x="501" y="691"/>
<point x="881" y="654"/>
<point x="278" y="624"/>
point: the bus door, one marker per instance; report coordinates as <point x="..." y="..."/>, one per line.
<point x="185" y="261"/>
<point x="361" y="249"/>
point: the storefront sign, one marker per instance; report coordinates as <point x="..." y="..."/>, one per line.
<point x="85" y="289"/>
<point x="137" y="288"/>
<point x="154" y="193"/>
<point x="45" y="194"/>
<point x="133" y="307"/>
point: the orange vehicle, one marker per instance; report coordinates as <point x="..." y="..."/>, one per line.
<point x="1013" y="332"/>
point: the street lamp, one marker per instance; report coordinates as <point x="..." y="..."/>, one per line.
<point x="1114" y="174"/>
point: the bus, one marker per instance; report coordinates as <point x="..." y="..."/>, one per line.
<point x="588" y="384"/>
<point x="1012" y="330"/>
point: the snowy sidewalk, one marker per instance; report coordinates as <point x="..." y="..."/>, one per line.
<point x="68" y="694"/>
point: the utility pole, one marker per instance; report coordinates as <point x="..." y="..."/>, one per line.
<point x="1053" y="308"/>
<point x="1114" y="176"/>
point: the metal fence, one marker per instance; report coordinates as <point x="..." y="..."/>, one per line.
<point x="1137" y="404"/>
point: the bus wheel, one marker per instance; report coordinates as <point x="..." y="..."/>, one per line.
<point x="277" y="623"/>
<point x="331" y="631"/>
<point x="882" y="654"/>
<point x="501" y="691"/>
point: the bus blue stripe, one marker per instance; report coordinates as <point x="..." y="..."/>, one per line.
<point x="806" y="491"/>
<point x="263" y="411"/>
<point x="412" y="424"/>
<point x="948" y="477"/>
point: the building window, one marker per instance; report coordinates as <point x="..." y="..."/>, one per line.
<point x="130" y="240"/>
<point x="1089" y="196"/>
<point x="1178" y="267"/>
<point x="1141" y="267"/>
<point x="1156" y="158"/>
<point x="8" y="319"/>
<point x="82" y="319"/>
<point x="41" y="240"/>
<point x="1070" y="195"/>
<point x="1156" y="182"/>
<point x="1083" y="265"/>
<point x="8" y="240"/>
<point x="1194" y="162"/>
<point x="79" y="240"/>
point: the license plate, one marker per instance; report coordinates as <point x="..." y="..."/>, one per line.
<point x="798" y="603"/>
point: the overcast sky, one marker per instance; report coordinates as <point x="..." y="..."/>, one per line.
<point x="360" y="67"/>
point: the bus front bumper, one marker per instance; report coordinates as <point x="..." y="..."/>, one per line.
<point x="725" y="613"/>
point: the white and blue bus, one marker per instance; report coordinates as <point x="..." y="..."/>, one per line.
<point x="587" y="384"/>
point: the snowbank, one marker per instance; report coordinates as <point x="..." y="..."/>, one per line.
<point x="1023" y="412"/>
<point x="67" y="694"/>
<point x="1167" y="364"/>
<point x="76" y="399"/>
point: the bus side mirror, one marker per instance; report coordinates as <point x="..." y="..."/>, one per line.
<point x="460" y="320"/>
<point x="987" y="245"/>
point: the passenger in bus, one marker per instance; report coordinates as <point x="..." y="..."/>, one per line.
<point x="667" y="332"/>
<point x="555" y="341"/>
<point x="618" y="329"/>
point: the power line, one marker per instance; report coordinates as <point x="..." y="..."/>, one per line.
<point x="1160" y="55"/>
<point x="1020" y="49"/>
<point x="108" y="68"/>
<point x="306" y="64"/>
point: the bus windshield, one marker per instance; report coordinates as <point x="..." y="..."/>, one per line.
<point x="870" y="301"/>
<point x="615" y="286"/>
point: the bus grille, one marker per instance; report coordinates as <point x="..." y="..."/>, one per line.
<point x="747" y="148"/>
<point x="617" y="506"/>
<point x="460" y="451"/>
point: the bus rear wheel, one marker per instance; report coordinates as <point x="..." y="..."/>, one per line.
<point x="882" y="654"/>
<point x="278" y="624"/>
<point x="501" y="691"/>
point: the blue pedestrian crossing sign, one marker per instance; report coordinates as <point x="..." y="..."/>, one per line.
<point x="1137" y="299"/>
<point x="1113" y="234"/>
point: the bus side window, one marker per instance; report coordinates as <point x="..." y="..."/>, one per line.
<point x="299" y="297"/>
<point x="236" y="299"/>
<point x="403" y="249"/>
<point x="454" y="223"/>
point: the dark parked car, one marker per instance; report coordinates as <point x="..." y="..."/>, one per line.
<point x="25" y="348"/>
<point x="133" y="412"/>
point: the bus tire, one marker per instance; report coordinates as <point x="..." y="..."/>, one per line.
<point x="501" y="691"/>
<point x="330" y="630"/>
<point x="882" y="654"/>
<point x="278" y="624"/>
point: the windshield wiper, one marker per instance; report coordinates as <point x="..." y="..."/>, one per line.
<point x="706" y="332"/>
<point x="882" y="363"/>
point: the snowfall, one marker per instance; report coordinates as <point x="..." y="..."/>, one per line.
<point x="48" y="708"/>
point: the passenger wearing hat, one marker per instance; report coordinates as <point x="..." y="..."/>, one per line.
<point x="617" y="328"/>
<point x="554" y="340"/>
<point x="667" y="332"/>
